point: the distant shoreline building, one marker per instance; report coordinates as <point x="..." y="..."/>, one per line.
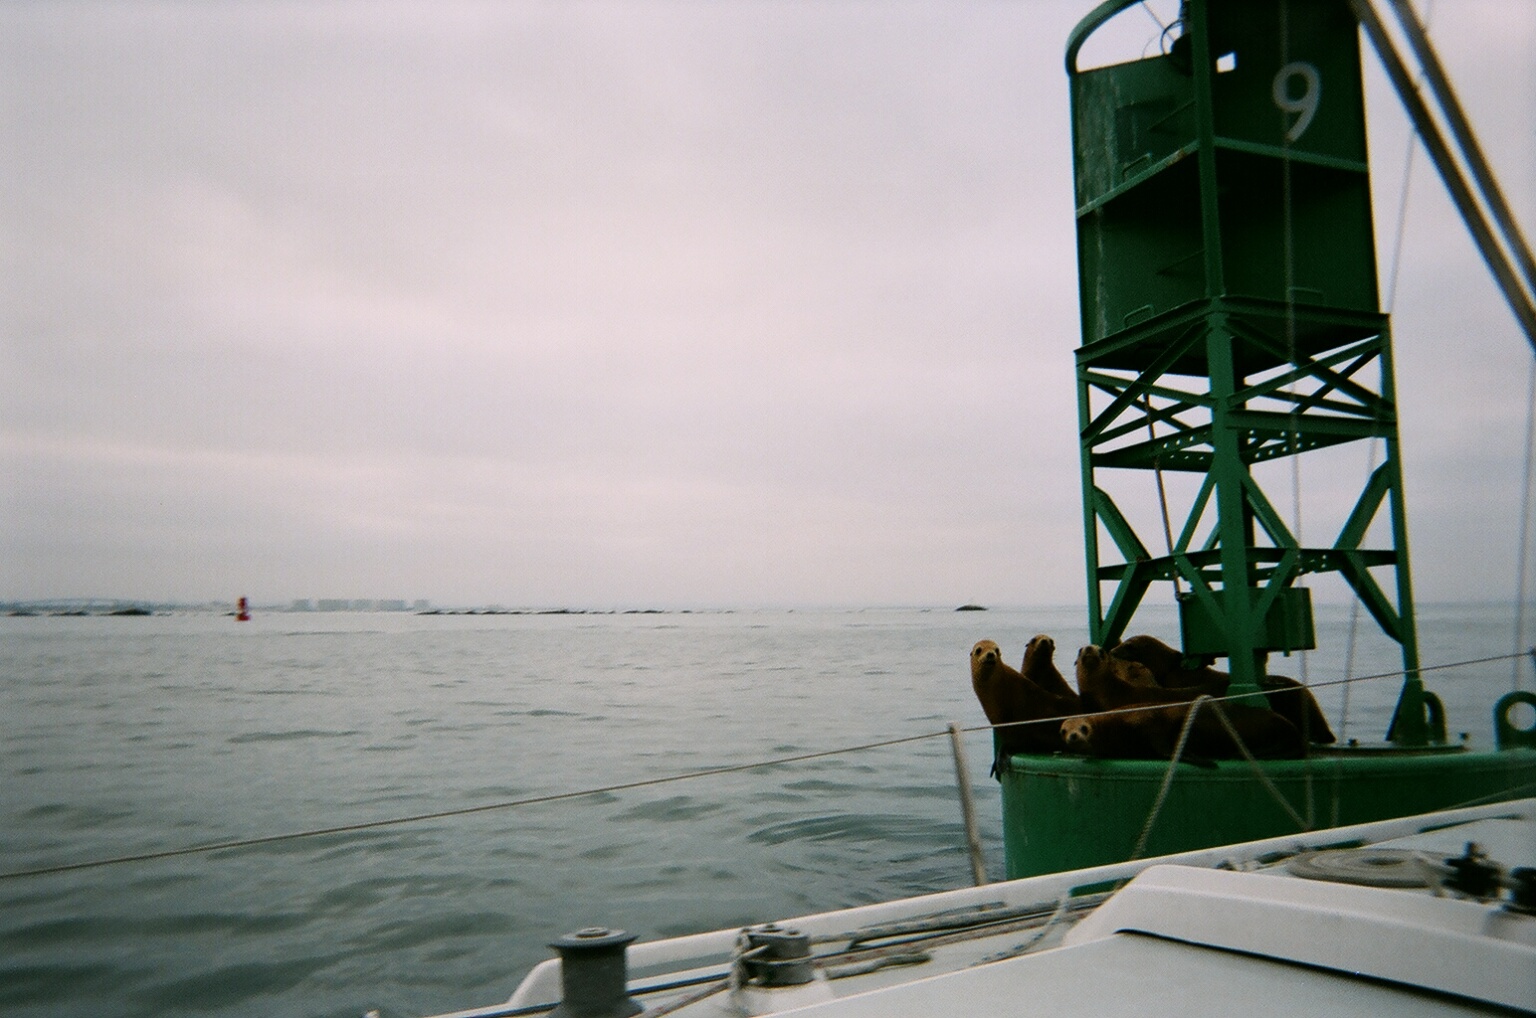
<point x="362" y="604"/>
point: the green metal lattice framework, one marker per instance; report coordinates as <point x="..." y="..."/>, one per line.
<point x="1230" y="317"/>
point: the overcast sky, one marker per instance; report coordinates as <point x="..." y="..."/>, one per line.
<point x="622" y="304"/>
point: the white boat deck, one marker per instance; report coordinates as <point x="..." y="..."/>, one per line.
<point x="1349" y="921"/>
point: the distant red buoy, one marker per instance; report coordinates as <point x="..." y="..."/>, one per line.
<point x="244" y="614"/>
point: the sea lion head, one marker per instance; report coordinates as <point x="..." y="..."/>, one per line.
<point x="984" y="655"/>
<point x="1077" y="733"/>
<point x="1041" y="644"/>
<point x="1132" y="672"/>
<point x="1089" y="658"/>
<point x="1150" y="651"/>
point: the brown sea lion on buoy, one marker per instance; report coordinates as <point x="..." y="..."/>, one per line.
<point x="1150" y="651"/>
<point x="1152" y="733"/>
<point x="1295" y="702"/>
<point x="1008" y="697"/>
<point x="1106" y="683"/>
<point x="1040" y="667"/>
<point x="1287" y="697"/>
<point x="1167" y="666"/>
<point x="1268" y="735"/>
<point x="1149" y="733"/>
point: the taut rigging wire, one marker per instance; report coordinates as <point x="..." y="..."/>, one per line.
<point x="1393" y="272"/>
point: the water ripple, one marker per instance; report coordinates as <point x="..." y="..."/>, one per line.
<point x="679" y="807"/>
<point x="230" y="985"/>
<point x="288" y="736"/>
<point x="857" y="827"/>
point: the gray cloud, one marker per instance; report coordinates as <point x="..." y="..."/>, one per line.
<point x="608" y="303"/>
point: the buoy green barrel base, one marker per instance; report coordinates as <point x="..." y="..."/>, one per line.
<point x="1063" y="813"/>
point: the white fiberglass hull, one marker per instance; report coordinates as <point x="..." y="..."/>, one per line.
<point x="1276" y="925"/>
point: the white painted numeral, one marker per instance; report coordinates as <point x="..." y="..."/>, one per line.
<point x="1305" y="104"/>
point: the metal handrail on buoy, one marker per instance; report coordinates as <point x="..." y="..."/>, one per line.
<point x="1508" y="733"/>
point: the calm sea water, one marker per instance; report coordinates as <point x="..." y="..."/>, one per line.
<point x="121" y="736"/>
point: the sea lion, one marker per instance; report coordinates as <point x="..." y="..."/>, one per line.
<point x="1167" y="666"/>
<point x="1287" y="697"/>
<point x="1150" y="651"/>
<point x="1152" y="733"/>
<point x="1268" y="735"/>
<point x="1040" y="668"/>
<point x="1295" y="702"/>
<point x="1007" y="697"/>
<point x="1105" y="682"/>
<point x="1149" y="733"/>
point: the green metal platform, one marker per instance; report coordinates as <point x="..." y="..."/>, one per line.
<point x="1062" y="813"/>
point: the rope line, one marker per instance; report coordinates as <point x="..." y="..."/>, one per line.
<point x="1402" y="217"/>
<point x="1162" y="493"/>
<point x="1388" y="304"/>
<point x="466" y="810"/>
<point x="1064" y="905"/>
<point x="1403" y="188"/>
<point x="1253" y="763"/>
<point x="1298" y="538"/>
<point x="1521" y="570"/>
<point x="535" y="800"/>
<point x="1173" y="763"/>
<point x="1507" y="793"/>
